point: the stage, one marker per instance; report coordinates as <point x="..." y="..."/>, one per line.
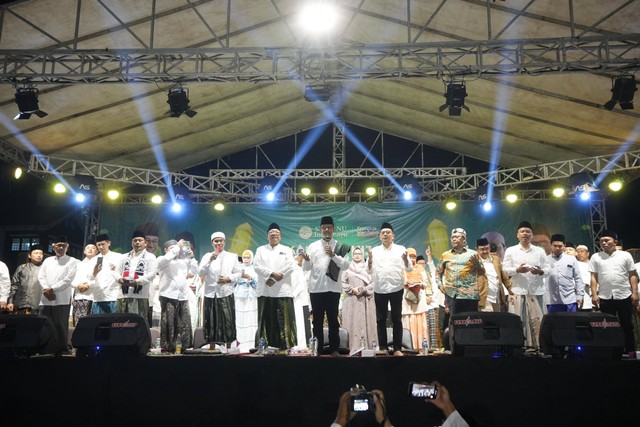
<point x="236" y="390"/>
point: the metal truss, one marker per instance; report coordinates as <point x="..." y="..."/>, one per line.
<point x="598" y="217"/>
<point x="242" y="185"/>
<point x="13" y="155"/>
<point x="529" y="174"/>
<point x="602" y="53"/>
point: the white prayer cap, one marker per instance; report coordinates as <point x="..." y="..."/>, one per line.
<point x="218" y="234"/>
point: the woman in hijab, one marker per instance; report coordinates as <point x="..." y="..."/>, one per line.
<point x="246" y="304"/>
<point x="358" y="306"/>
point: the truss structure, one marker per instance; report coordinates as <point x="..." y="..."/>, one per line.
<point x="242" y="185"/>
<point x="604" y="53"/>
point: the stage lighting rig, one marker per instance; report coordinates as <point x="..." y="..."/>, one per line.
<point x="317" y="93"/>
<point x="27" y="100"/>
<point x="178" y="101"/>
<point x="455" y="95"/>
<point x="623" y="90"/>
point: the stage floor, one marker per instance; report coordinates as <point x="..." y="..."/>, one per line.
<point x="304" y="391"/>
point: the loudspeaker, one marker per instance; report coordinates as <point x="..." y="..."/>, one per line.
<point x="23" y="335"/>
<point x="111" y="335"/>
<point x="486" y="334"/>
<point x="582" y="335"/>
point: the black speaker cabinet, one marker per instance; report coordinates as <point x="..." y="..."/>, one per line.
<point x="23" y="335"/>
<point x="486" y="334"/>
<point x="111" y="335"/>
<point x="582" y="335"/>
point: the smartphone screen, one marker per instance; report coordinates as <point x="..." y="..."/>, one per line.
<point x="423" y="390"/>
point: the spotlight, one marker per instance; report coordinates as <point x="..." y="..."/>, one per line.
<point x="17" y="173"/>
<point x="451" y="205"/>
<point x="305" y="190"/>
<point x="317" y="93"/>
<point x="622" y="92"/>
<point x="585" y="195"/>
<point x="409" y="187"/>
<point x="27" y="100"/>
<point x="268" y="188"/>
<point x="370" y="190"/>
<point x="59" y="188"/>
<point x="176" y="207"/>
<point x="511" y="197"/>
<point x="407" y="195"/>
<point x="455" y="95"/>
<point x="179" y="102"/>
<point x="219" y="206"/>
<point x="80" y="197"/>
<point x="318" y="17"/>
<point x="486" y="206"/>
<point x="333" y="190"/>
<point x="615" y="185"/>
<point x="582" y="182"/>
<point x="113" y="194"/>
<point x="557" y="191"/>
<point x="156" y="199"/>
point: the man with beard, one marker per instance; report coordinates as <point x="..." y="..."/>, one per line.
<point x="566" y="289"/>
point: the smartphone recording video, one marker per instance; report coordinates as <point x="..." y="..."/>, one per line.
<point x="423" y="390"/>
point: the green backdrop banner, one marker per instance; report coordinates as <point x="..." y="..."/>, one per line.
<point x="416" y="225"/>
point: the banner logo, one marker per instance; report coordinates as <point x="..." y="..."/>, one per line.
<point x="604" y="324"/>
<point x="126" y="324"/>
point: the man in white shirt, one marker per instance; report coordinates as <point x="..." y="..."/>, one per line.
<point x="55" y="276"/>
<point x="138" y="269"/>
<point x="387" y="263"/>
<point x="173" y="269"/>
<point x="274" y="266"/>
<point x="527" y="265"/>
<point x="582" y="255"/>
<point x="5" y="286"/>
<point x="81" y="284"/>
<point x="564" y="283"/>
<point x="105" y="285"/>
<point x="220" y="271"/>
<point x="326" y="259"/>
<point x="614" y="285"/>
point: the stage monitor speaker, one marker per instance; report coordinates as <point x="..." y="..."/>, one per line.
<point x="486" y="334"/>
<point x="111" y="335"/>
<point x="582" y="335"/>
<point x="23" y="335"/>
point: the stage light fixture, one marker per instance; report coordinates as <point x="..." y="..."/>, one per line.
<point x="450" y="205"/>
<point x="318" y="17"/>
<point x="558" y="191"/>
<point x="219" y="206"/>
<point x="17" y="173"/>
<point x="623" y="90"/>
<point x="113" y="194"/>
<point x="616" y="184"/>
<point x="305" y="190"/>
<point x="27" y="100"/>
<point x="268" y="187"/>
<point x="59" y="188"/>
<point x="80" y="197"/>
<point x="584" y="196"/>
<point x="176" y="207"/>
<point x="511" y="197"/>
<point x="179" y="102"/>
<point x="455" y="95"/>
<point x="487" y="206"/>
<point x="320" y="93"/>
<point x="410" y="188"/>
<point x="582" y="182"/>
<point x="156" y="199"/>
<point x="333" y="190"/>
<point x="370" y="190"/>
